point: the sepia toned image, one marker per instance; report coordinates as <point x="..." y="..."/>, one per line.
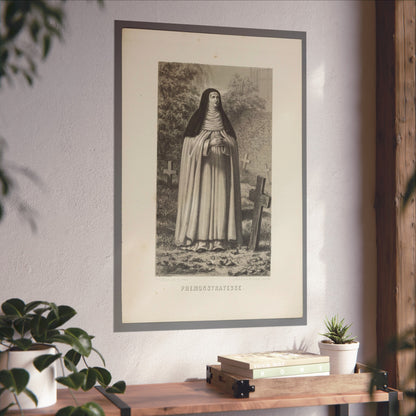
<point x="214" y="141"/>
<point x="210" y="206"/>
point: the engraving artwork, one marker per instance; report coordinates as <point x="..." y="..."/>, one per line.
<point x="214" y="170"/>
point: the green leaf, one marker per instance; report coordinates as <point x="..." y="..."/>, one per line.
<point x="22" y="343"/>
<point x="93" y="409"/>
<point x="39" y="328"/>
<point x="81" y="341"/>
<point x="410" y="189"/>
<point x="88" y="409"/>
<point x="71" y="360"/>
<point x="103" y="376"/>
<point x="5" y="182"/>
<point x="15" y="379"/>
<point x="6" y="333"/>
<point x="90" y="379"/>
<point x="33" y="305"/>
<point x="22" y="325"/>
<point x="34" y="29"/>
<point x="73" y="381"/>
<point x="117" y="388"/>
<point x="13" y="307"/>
<point x="46" y="46"/>
<point x="28" y="78"/>
<point x="31" y="395"/>
<point x="65" y="411"/>
<point x="59" y="316"/>
<point x="45" y="360"/>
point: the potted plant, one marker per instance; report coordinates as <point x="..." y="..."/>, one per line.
<point x="340" y="346"/>
<point x="35" y="330"/>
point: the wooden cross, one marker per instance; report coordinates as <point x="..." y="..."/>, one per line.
<point x="261" y="200"/>
<point x="245" y="161"/>
<point x="169" y="172"/>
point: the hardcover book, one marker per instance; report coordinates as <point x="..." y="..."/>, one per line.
<point x="280" y="371"/>
<point x="271" y="359"/>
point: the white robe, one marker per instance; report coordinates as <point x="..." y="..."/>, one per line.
<point x="209" y="199"/>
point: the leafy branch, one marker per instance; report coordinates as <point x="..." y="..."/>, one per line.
<point x="26" y="326"/>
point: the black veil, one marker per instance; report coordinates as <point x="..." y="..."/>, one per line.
<point x="195" y="122"/>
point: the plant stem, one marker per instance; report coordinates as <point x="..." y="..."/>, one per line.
<point x="61" y="360"/>
<point x="18" y="404"/>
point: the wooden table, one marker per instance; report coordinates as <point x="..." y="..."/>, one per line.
<point x="200" y="397"/>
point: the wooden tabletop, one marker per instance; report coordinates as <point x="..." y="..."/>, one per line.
<point x="199" y="397"/>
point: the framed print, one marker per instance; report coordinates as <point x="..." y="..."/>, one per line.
<point x="210" y="177"/>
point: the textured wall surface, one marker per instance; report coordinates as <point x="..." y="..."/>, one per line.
<point x="62" y="129"/>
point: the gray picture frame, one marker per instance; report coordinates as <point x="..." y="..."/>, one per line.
<point x="122" y="236"/>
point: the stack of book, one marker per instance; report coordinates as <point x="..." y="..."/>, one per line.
<point x="275" y="364"/>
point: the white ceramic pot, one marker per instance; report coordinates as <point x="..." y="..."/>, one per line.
<point x="42" y="384"/>
<point x="342" y="357"/>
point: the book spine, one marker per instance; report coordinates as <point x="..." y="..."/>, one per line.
<point x="292" y="370"/>
<point x="273" y="364"/>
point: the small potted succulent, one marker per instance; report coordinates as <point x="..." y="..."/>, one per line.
<point x="340" y="346"/>
<point x="31" y="338"/>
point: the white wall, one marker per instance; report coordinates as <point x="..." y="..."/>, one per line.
<point x="62" y="129"/>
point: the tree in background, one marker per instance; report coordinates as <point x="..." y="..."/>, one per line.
<point x="178" y="99"/>
<point x="252" y="123"/>
<point x="242" y="97"/>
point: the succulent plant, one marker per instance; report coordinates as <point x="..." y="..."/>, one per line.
<point x="337" y="331"/>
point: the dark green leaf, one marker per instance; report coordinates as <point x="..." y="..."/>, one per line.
<point x="103" y="376"/>
<point x="4" y="55"/>
<point x="39" y="328"/>
<point x="65" y="411"/>
<point x="88" y="409"/>
<point x="117" y="388"/>
<point x="93" y="409"/>
<point x="13" y="307"/>
<point x="410" y="189"/>
<point x="33" y="305"/>
<point x="73" y="381"/>
<point x="62" y="338"/>
<point x="18" y="51"/>
<point x="28" y="78"/>
<point x="15" y="379"/>
<point x="60" y="315"/>
<point x="90" y="379"/>
<point x="44" y="361"/>
<point x="23" y="343"/>
<point x="34" y="29"/>
<point x="81" y="341"/>
<point x="71" y="360"/>
<point x="6" y="333"/>
<point x="12" y="8"/>
<point x="46" y="46"/>
<point x="5" y="183"/>
<point x="50" y="334"/>
<point x="31" y="396"/>
<point x="14" y="28"/>
<point x="22" y="325"/>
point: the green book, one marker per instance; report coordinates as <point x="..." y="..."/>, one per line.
<point x="281" y="371"/>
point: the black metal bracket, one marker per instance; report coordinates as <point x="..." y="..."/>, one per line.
<point x="209" y="374"/>
<point x="380" y="380"/>
<point x="242" y="389"/>
<point x="124" y="407"/>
